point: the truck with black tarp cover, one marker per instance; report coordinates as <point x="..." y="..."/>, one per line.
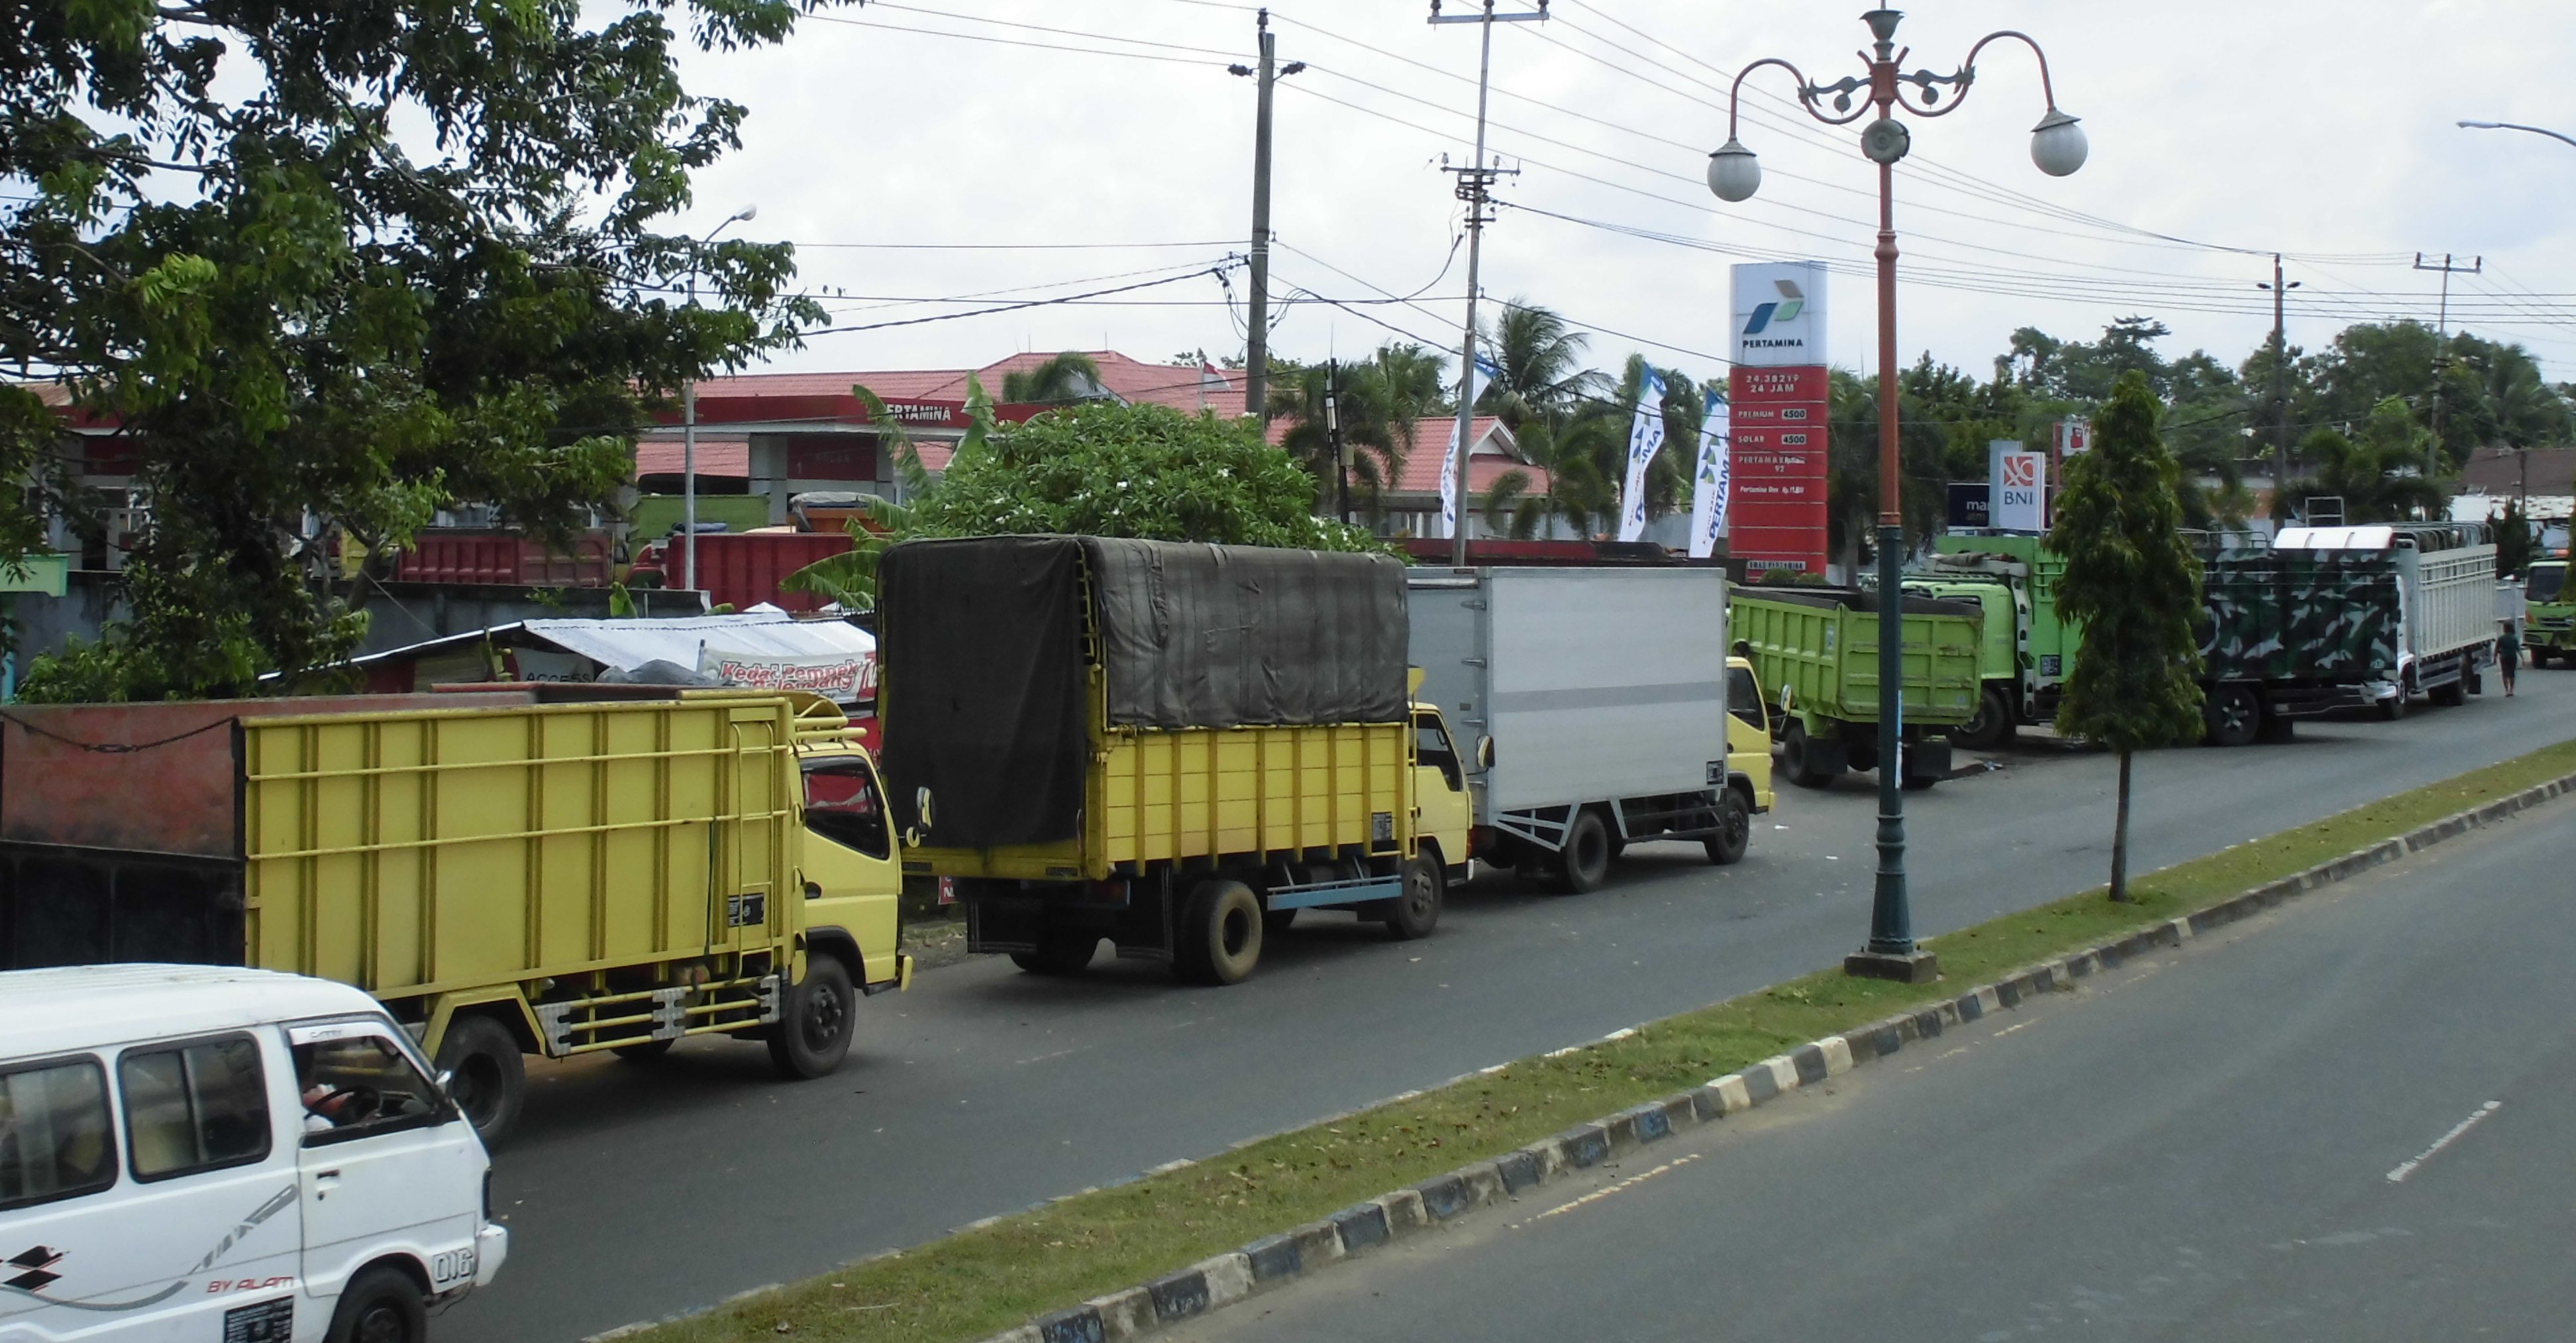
<point x="1172" y="746"/>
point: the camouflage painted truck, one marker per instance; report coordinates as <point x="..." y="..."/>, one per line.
<point x="2285" y="634"/>
<point x="2549" y="614"/>
<point x="1174" y="748"/>
<point x="1816" y="651"/>
<point x="556" y="871"/>
<point x="2445" y="575"/>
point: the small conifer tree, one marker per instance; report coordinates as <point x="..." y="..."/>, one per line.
<point x="2132" y="585"/>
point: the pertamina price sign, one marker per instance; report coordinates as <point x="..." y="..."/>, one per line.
<point x="1778" y="393"/>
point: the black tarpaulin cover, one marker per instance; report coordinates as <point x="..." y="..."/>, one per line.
<point x="981" y="679"/>
<point x="1237" y="636"/>
<point x="982" y="662"/>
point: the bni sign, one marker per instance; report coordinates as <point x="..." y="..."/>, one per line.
<point x="2018" y="496"/>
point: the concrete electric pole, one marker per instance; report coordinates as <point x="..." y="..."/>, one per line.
<point x="1256" y="348"/>
<point x="2441" y="352"/>
<point x="2280" y="393"/>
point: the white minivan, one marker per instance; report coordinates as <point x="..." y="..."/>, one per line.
<point x="197" y="1154"/>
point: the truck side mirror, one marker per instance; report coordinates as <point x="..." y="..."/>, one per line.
<point x="1484" y="754"/>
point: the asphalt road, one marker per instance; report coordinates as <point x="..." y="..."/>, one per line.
<point x="635" y="1192"/>
<point x="2347" y="1121"/>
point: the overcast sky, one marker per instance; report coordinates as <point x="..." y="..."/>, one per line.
<point x="2324" y="130"/>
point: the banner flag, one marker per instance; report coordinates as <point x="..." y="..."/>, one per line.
<point x="1645" y="439"/>
<point x="1486" y="372"/>
<point x="1709" y="483"/>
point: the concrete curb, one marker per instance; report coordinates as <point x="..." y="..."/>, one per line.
<point x="1274" y="1261"/>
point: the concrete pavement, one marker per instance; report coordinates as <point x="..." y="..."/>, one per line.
<point x="634" y="1192"/>
<point x="2348" y="1120"/>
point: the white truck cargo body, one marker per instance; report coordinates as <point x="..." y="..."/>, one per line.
<point x="2446" y="591"/>
<point x="1603" y="692"/>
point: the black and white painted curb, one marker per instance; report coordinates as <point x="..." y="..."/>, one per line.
<point x="1275" y="1261"/>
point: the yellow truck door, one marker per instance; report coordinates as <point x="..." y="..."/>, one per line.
<point x="1442" y="810"/>
<point x="852" y="876"/>
<point x="1748" y="734"/>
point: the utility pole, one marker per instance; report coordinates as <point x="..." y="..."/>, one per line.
<point x="1333" y="437"/>
<point x="1474" y="181"/>
<point x="2280" y="393"/>
<point x="2441" y="351"/>
<point x="1256" y="349"/>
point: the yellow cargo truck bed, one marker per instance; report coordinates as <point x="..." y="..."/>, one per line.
<point x="424" y="851"/>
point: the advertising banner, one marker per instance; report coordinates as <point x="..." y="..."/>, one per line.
<point x="1709" y="483"/>
<point x="1645" y="439"/>
<point x="2020" y="489"/>
<point x="1485" y="374"/>
<point x="844" y="677"/>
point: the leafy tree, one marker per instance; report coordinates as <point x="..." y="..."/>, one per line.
<point x="2132" y="585"/>
<point x="1063" y="379"/>
<point x="2516" y="547"/>
<point x="1102" y="469"/>
<point x="310" y="324"/>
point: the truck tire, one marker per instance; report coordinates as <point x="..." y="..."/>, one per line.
<point x="1584" y="863"/>
<point x="1059" y="954"/>
<point x="1734" y="830"/>
<point x="1797" y="752"/>
<point x="380" y="1305"/>
<point x="1412" y="915"/>
<point x="2394" y="707"/>
<point x="1992" y="727"/>
<point x="488" y="1078"/>
<point x="814" y="1024"/>
<point x="2233" y="716"/>
<point x="1220" y="934"/>
<point x="2448" y="695"/>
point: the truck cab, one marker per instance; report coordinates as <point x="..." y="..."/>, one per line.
<point x="1443" y="809"/>
<point x="2549" y="614"/>
<point x="852" y="875"/>
<point x="1748" y="738"/>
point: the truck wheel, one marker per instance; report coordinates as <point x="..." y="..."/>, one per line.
<point x="1059" y="954"/>
<point x="2394" y="707"/>
<point x="488" y="1078"/>
<point x="380" y="1305"/>
<point x="2233" y="716"/>
<point x="1993" y="725"/>
<point x="1221" y="935"/>
<point x="1796" y="756"/>
<point x="2449" y="695"/>
<point x="1415" y="913"/>
<point x="1734" y="830"/>
<point x="1584" y="863"/>
<point x="813" y="1031"/>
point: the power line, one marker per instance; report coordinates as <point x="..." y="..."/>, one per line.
<point x="1016" y="42"/>
<point x="1217" y="271"/>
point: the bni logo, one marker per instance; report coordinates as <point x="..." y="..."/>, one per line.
<point x="1791" y="303"/>
<point x="2021" y="471"/>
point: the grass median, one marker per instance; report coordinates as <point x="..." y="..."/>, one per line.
<point x="979" y="1282"/>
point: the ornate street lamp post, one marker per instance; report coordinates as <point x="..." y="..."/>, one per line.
<point x="2057" y="146"/>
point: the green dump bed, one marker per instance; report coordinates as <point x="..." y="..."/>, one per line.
<point x="1816" y="651"/>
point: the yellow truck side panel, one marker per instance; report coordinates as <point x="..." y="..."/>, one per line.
<point x="420" y="852"/>
<point x="1200" y="792"/>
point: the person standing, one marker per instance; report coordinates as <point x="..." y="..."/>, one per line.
<point x="2508" y="652"/>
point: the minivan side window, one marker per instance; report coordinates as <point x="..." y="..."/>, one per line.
<point x="56" y="1140"/>
<point x="193" y="1107"/>
<point x="360" y="1085"/>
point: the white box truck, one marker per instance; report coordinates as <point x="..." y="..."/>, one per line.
<point x="2446" y="574"/>
<point x="1597" y="699"/>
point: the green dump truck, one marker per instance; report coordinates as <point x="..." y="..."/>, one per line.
<point x="2549" y="614"/>
<point x="2285" y="634"/>
<point x="505" y="875"/>
<point x="1175" y="748"/>
<point x="1816" y="651"/>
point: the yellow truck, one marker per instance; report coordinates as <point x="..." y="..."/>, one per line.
<point x="555" y="871"/>
<point x="1172" y="747"/>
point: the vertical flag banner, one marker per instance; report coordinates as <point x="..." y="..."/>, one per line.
<point x="1645" y="439"/>
<point x="1709" y="482"/>
<point x="1485" y="375"/>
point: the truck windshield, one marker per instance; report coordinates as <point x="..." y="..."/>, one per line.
<point x="841" y="805"/>
<point x="2543" y="584"/>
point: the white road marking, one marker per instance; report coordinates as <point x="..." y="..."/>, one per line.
<point x="1598" y="1194"/>
<point x="2406" y="1168"/>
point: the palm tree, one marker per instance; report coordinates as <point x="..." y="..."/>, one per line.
<point x="2379" y="476"/>
<point x="1541" y="363"/>
<point x="1062" y="380"/>
<point x="1383" y="401"/>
